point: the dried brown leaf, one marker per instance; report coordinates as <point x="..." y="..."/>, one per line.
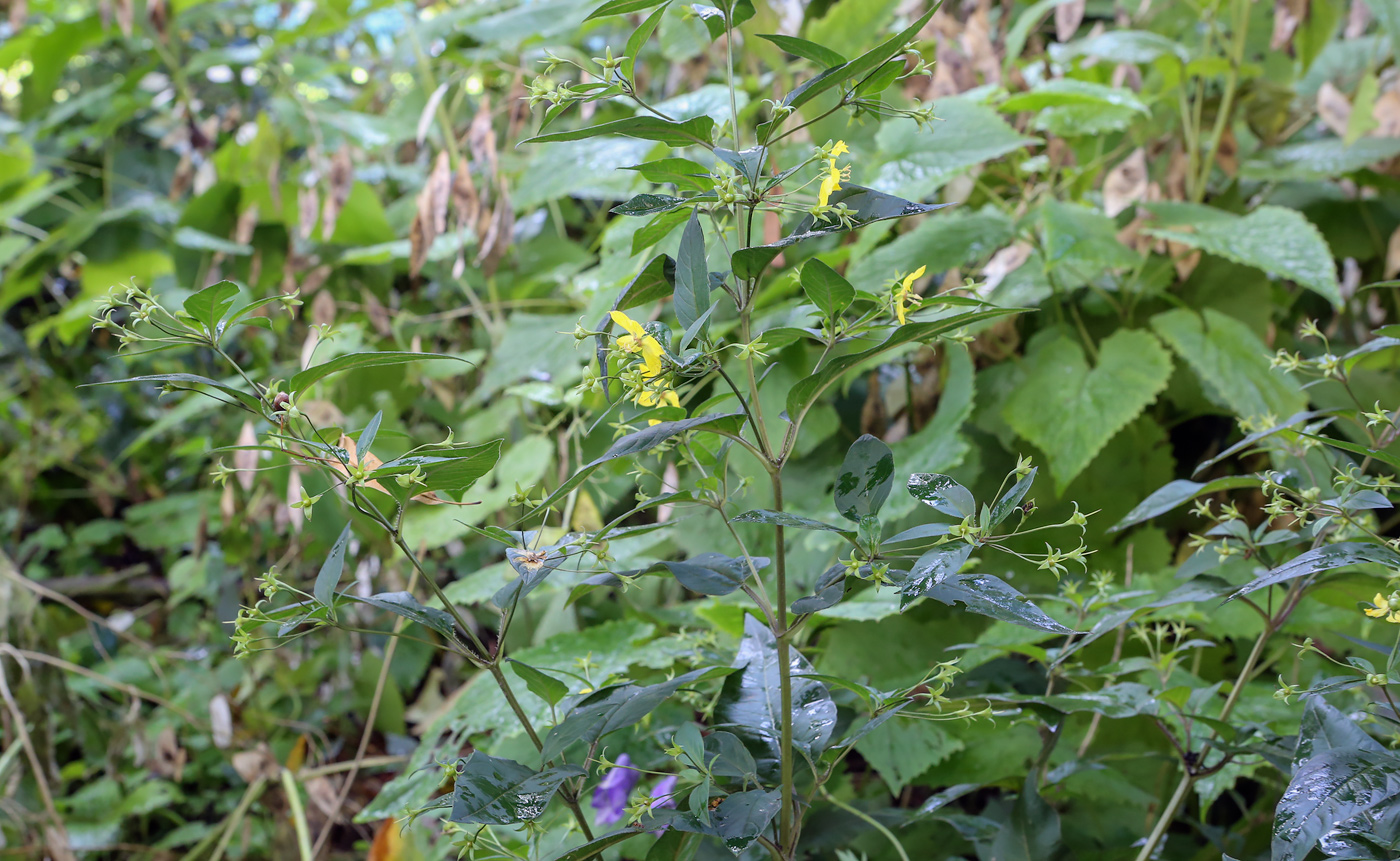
<point x="308" y="202"/>
<point x="1068" y="16"/>
<point x="339" y="182"/>
<point x="1333" y="108"/>
<point x="1003" y="263"/>
<point x="1126" y="184"/>
<point x="245" y="461"/>
<point x="1288" y="14"/>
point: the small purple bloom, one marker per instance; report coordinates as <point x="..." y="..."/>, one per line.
<point x="610" y="796"/>
<point x="664" y="795"/>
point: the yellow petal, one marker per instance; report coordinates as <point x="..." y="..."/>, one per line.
<point x="899" y="309"/>
<point x="1380" y="601"/>
<point x="839" y="149"/>
<point x="627" y="344"/>
<point x="651" y="357"/>
<point x="632" y="326"/>
<point x="919" y="273"/>
<point x="1375" y="613"/>
<point x="647" y="398"/>
<point x="670" y="398"/>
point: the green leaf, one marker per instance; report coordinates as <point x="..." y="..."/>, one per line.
<point x="639" y="37"/>
<point x="751" y="703"/>
<point x="1083" y="242"/>
<point x="713" y="573"/>
<point x="622" y="7"/>
<point x="826" y="288"/>
<point x="747" y="163"/>
<point x="1033" y="831"/>
<point x="830" y="589"/>
<point x="692" y="299"/>
<point x="1328" y="159"/>
<point x="367" y="435"/>
<point x="648" y="204"/>
<point x="1021" y="30"/>
<point x="615" y="708"/>
<point x="943" y="493"/>
<point x="1124" y="46"/>
<point x="1272" y="238"/>
<point x="1337" y="793"/>
<point x="920" y="163"/>
<point x="955" y="238"/>
<point x="539" y="683"/>
<point x="1013" y="497"/>
<point x="1179" y="492"/>
<point x="991" y="596"/>
<point x="929" y="570"/>
<point x="902" y="750"/>
<point x="405" y="605"/>
<point x="329" y="575"/>
<point x="1056" y="92"/>
<point x="209" y="305"/>
<point x="198" y="240"/>
<point x="1231" y="362"/>
<point x="695" y="131"/>
<point x="644" y="440"/>
<point x="1089" y="406"/>
<point x="352" y="361"/>
<point x="867" y="474"/>
<point x="252" y="402"/>
<point x="787" y="519"/>
<point x="596" y="846"/>
<point x="1325" y="558"/>
<point x="680" y="172"/>
<point x="494" y="791"/>
<point x="714" y="18"/>
<point x="819" y="54"/>
<point x="737" y="821"/>
<point x="860" y="66"/>
<point x="657" y="280"/>
<point x="802" y="395"/>
<point x="452" y="469"/>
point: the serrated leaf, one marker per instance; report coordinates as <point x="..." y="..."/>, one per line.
<point x="903" y="750"/>
<point x="494" y="791"/>
<point x="1230" y="361"/>
<point x="329" y="575"/>
<point x="751" y="704"/>
<point x="1275" y="239"/>
<point x="991" y="596"/>
<point x="1329" y="158"/>
<point x="1070" y="411"/>
<point x="1325" y="558"/>
<point x="1083" y="241"/>
<point x="353" y="361"/>
<point x="920" y="162"/>
<point x="866" y="476"/>
<point x="405" y="605"/>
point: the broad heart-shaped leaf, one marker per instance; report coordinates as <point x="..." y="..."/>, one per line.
<point x="943" y="493"/>
<point x="1324" y="558"/>
<point x="935" y="566"/>
<point x="867" y="205"/>
<point x="1033" y="831"/>
<point x="533" y="567"/>
<point x="751" y="704"/>
<point x="648" y="204"/>
<point x="495" y="791"/>
<point x="448" y="468"/>
<point x="737" y="821"/>
<point x="404" y="604"/>
<point x="1178" y="492"/>
<point x="826" y="288"/>
<point x="644" y="440"/>
<point x="712" y="573"/>
<point x="615" y="708"/>
<point x="1230" y="361"/>
<point x="694" y="131"/>
<point x="1070" y="411"/>
<point x="1012" y="498"/>
<point x="692" y="277"/>
<point x="808" y="389"/>
<point x="329" y="575"/>
<point x="1332" y="793"/>
<point x="991" y="596"/>
<point x="209" y="305"/>
<point x="867" y="474"/>
<point x="1275" y="239"/>
<point x="350" y="361"/>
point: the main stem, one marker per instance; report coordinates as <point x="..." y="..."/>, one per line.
<point x="784" y="635"/>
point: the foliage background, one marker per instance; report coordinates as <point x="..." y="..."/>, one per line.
<point x="292" y="146"/>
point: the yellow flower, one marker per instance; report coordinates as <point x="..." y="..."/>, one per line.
<point x="1383" y="609"/>
<point x="666" y="398"/>
<point x="905" y="292"/>
<point x="638" y="341"/>
<point x="832" y="181"/>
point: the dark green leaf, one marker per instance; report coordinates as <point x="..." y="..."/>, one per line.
<point x="943" y="493"/>
<point x="615" y="708"/>
<point x="596" y="846"/>
<point x="830" y="589"/>
<point x="639" y="37"/>
<point x="656" y="281"/>
<point x="622" y="7"/>
<point x="350" y="361"/>
<point x="935" y="566"/>
<point x="1033" y="832"/>
<point x="737" y="821"/>
<point x="209" y="305"/>
<point x="819" y="54"/>
<point x="404" y="604"/>
<point x="991" y="596"/>
<point x="694" y="131"/>
<point x="747" y="163"/>
<point x="751" y="704"/>
<point x="656" y="230"/>
<point x="712" y="573"/>
<point x="1012" y="498"/>
<point x="1336" y="791"/>
<point x="1179" y="492"/>
<point x="826" y="288"/>
<point x="714" y="18"/>
<point x="1324" y="558"/>
<point x="329" y="576"/>
<point x="368" y="434"/>
<point x="787" y="518"/>
<point x="534" y="567"/>
<point x="494" y="791"/>
<point x="648" y="204"/>
<point x="542" y="685"/>
<point x="692" y="276"/>
<point x="681" y="172"/>
<point x="867" y="474"/>
<point x="727" y="756"/>
<point x="452" y="469"/>
<point x="861" y="66"/>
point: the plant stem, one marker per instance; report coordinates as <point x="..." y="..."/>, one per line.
<point x="869" y="820"/>
<point x="785" y="829"/>
<point x="289" y="786"/>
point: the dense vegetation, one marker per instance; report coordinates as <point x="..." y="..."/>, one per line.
<point x="554" y="429"/>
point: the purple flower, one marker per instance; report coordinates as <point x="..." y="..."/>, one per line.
<point x="610" y="796"/>
<point x="664" y="795"/>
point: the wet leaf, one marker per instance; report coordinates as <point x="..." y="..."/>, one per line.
<point x="495" y="791"/>
<point x="1325" y="558"/>
<point x="991" y="596"/>
<point x="713" y="573"/>
<point x="943" y="493"/>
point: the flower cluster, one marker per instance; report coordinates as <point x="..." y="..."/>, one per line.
<point x="651" y="388"/>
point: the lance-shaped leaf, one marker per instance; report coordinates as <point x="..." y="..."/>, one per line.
<point x="751" y="703"/>
<point x="861" y="66"/>
<point x="404" y="604"/>
<point x="248" y="400"/>
<point x="694" y="131"/>
<point x="692" y="277"/>
<point x="595" y="847"/>
<point x="616" y="708"/>
<point x="727" y="756"/>
<point x="826" y="288"/>
<point x="805" y="392"/>
<point x="789" y="520"/>
<point x="828" y="592"/>
<point x="1179" y="492"/>
<point x="1012" y="497"/>
<point x="712" y="573"/>
<point x="1033" y="830"/>
<point x="494" y="791"/>
<point x="645" y="440"/>
<point x="329" y="575"/>
<point x="867" y="474"/>
<point x="1322" y="559"/>
<point x="533" y="566"/>
<point x="943" y="493"/>
<point x="648" y="204"/>
<point x="352" y="361"/>
<point x="867" y="206"/>
<point x="448" y="468"/>
<point x="819" y="54"/>
<point x="991" y="596"/>
<point x="935" y="566"/>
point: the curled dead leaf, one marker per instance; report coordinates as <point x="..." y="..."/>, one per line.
<point x="1333" y="108"/>
<point x="1125" y="184"/>
<point x="308" y="202"/>
<point x="256" y="763"/>
<point x="1003" y="263"/>
<point x="221" y="721"/>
